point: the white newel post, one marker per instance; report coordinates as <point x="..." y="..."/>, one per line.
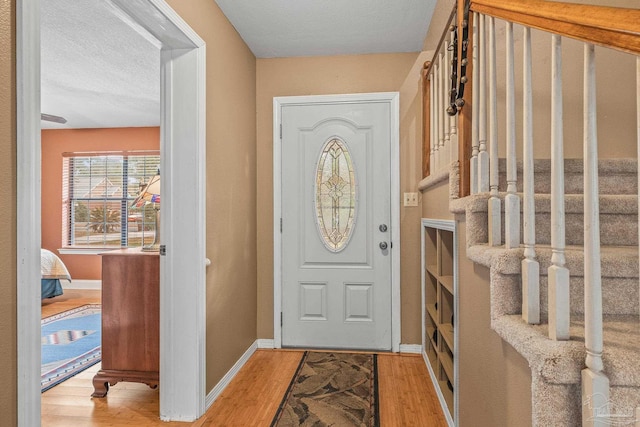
<point x="473" y="164"/>
<point x="481" y="104"/>
<point x="530" y="266"/>
<point x="494" y="214"/>
<point x="558" y="274"/>
<point x="511" y="200"/>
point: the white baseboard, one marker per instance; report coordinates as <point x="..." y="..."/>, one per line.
<point x="224" y="382"/>
<point x="411" y="348"/>
<point x="82" y="284"/>
<point x="262" y="343"/>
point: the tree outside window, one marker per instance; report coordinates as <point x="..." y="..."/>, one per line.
<point x="98" y="189"/>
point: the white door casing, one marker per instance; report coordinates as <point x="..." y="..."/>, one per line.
<point x="182" y="275"/>
<point x="345" y="298"/>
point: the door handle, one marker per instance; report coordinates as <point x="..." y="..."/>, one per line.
<point x="383" y="245"/>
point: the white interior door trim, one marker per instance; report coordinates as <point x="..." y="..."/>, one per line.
<point x="28" y="210"/>
<point x="393" y="98"/>
<point x="182" y="337"/>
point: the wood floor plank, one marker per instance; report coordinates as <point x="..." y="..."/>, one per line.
<point x="254" y="395"/>
<point x="407" y="396"/>
<point x="71" y="298"/>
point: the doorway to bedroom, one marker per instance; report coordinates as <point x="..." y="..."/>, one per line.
<point x="181" y="68"/>
<point x="100" y="143"/>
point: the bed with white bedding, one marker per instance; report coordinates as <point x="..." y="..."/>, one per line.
<point x="52" y="270"/>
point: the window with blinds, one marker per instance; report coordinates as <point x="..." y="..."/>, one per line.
<point x="97" y="191"/>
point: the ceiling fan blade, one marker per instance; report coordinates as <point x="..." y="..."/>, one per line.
<point x="52" y="118"/>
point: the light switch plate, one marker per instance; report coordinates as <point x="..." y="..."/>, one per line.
<point x="411" y="199"/>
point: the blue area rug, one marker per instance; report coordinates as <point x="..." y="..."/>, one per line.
<point x="70" y="344"/>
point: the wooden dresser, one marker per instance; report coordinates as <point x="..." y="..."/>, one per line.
<point x="130" y="319"/>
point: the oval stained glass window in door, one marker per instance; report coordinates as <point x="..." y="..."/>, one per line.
<point x="335" y="195"/>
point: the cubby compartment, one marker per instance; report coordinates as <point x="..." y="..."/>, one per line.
<point x="439" y="309"/>
<point x="430" y="244"/>
<point x="431" y="352"/>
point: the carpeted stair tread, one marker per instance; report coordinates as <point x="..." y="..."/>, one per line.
<point x="616" y="261"/>
<point x="619" y="267"/>
<point x="560" y="362"/>
<point x="618" y="218"/>
<point x="574" y="203"/>
<point x="616" y="176"/>
<point x="576" y="166"/>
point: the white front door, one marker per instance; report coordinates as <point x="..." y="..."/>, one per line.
<point x="336" y="225"/>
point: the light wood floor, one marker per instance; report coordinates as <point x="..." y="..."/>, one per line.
<point x="407" y="397"/>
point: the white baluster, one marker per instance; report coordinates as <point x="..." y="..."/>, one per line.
<point x="433" y="140"/>
<point x="438" y="113"/>
<point x="444" y="148"/>
<point x="530" y="266"/>
<point x="511" y="200"/>
<point x="473" y="164"/>
<point x="638" y="136"/>
<point x="453" y="120"/>
<point x="494" y="215"/>
<point x="558" y="274"/>
<point x="483" y="155"/>
<point x="595" y="385"/>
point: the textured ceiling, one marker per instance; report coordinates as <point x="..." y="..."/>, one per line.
<point x="283" y="28"/>
<point x="96" y="70"/>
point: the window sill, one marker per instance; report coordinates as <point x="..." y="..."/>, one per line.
<point x="84" y="251"/>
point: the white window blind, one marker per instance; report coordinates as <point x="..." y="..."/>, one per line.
<point x="97" y="191"/>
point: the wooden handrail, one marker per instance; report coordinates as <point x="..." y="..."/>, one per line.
<point x="616" y="28"/>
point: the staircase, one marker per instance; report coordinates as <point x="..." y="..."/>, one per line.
<point x="560" y="236"/>
<point x="556" y="365"/>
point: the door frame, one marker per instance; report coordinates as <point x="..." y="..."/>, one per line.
<point x="182" y="270"/>
<point x="393" y="99"/>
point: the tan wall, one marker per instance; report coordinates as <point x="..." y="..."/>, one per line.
<point x="616" y="110"/>
<point x="313" y="76"/>
<point x="8" y="349"/>
<point x="411" y="173"/>
<point x="58" y="141"/>
<point x="435" y="202"/>
<point x="495" y="381"/>
<point x="231" y="186"/>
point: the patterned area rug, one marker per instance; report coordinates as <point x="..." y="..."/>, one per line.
<point x="331" y="389"/>
<point x="70" y="344"/>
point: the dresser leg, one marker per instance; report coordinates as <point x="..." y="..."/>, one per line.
<point x="100" y="386"/>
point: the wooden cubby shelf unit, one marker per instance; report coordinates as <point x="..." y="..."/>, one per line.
<point x="439" y="308"/>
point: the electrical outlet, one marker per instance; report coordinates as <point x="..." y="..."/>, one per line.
<point x="411" y="199"/>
